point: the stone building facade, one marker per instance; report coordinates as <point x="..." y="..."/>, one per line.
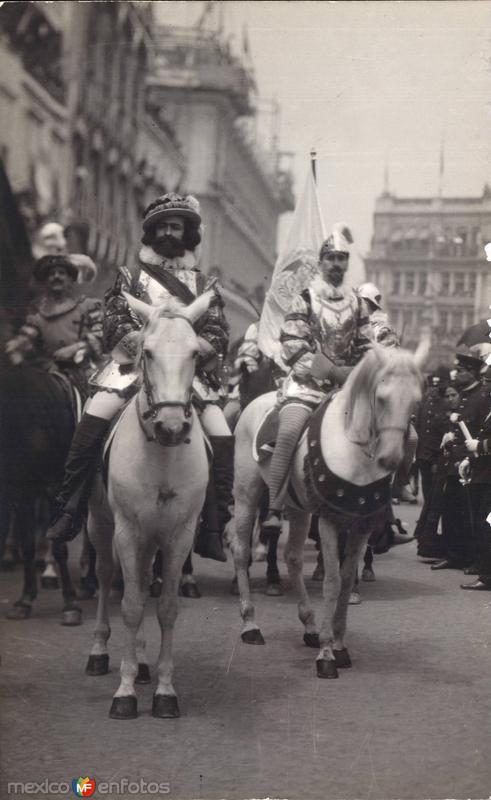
<point x="427" y="258"/>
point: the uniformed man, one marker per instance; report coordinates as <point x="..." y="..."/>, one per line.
<point x="63" y="329"/>
<point x="457" y="528"/>
<point x="325" y="334"/>
<point x="167" y="267"/>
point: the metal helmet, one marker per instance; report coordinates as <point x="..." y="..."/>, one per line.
<point x="370" y="292"/>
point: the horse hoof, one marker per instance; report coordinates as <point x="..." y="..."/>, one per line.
<point x="318" y="574"/>
<point x="165" y="706"/>
<point x="49" y="582"/>
<point x="156" y="588"/>
<point x="312" y="640"/>
<point x="19" y="610"/>
<point x="342" y="657"/>
<point x="234" y="588"/>
<point x="274" y="590"/>
<point x="354" y="599"/>
<point x="143" y="674"/>
<point x="326" y="668"/>
<point x="253" y="636"/>
<point x="124" y="707"/>
<point x="368" y="575"/>
<point x="97" y="664"/>
<point x="71" y="617"/>
<point x="190" y="590"/>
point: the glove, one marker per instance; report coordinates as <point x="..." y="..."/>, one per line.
<point x="472" y="445"/>
<point x="447" y="437"/>
<point x="464" y="469"/>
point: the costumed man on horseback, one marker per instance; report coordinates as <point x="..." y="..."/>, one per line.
<point x="383" y="332"/>
<point x="325" y="334"/>
<point x="168" y="267"/>
<point x="63" y="331"/>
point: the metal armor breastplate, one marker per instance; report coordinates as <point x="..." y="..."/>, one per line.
<point x="337" y="321"/>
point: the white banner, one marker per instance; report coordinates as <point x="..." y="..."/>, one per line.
<point x="294" y="269"/>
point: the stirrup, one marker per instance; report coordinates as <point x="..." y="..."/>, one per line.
<point x="272" y="521"/>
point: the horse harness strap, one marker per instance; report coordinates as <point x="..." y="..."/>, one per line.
<point x="153" y="405"/>
<point x="360" y="509"/>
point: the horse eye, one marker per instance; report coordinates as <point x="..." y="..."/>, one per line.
<point x="148" y="353"/>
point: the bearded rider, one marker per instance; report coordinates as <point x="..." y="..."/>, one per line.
<point x="168" y="267"/>
<point x="325" y="334"/>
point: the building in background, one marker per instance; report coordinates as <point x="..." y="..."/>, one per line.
<point x="427" y="259"/>
<point x="208" y="97"/>
<point x="102" y="110"/>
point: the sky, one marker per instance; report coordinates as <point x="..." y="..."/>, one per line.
<point x="373" y="86"/>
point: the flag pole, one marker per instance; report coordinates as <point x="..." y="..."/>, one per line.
<point x="313" y="163"/>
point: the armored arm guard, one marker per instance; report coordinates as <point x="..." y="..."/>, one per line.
<point x="364" y="337"/>
<point x="297" y="338"/>
<point x="119" y="323"/>
<point x="214" y="328"/>
<point x="92" y="328"/>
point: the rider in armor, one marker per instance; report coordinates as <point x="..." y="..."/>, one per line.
<point x="384" y="334"/>
<point x="63" y="330"/>
<point x="167" y="267"/>
<point x="325" y="334"/>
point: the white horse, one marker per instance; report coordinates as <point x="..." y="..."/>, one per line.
<point x="361" y="438"/>
<point x="158" y="473"/>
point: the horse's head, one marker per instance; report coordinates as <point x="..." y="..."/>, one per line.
<point x="383" y="391"/>
<point x="167" y="355"/>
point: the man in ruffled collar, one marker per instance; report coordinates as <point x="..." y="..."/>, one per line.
<point x="167" y="267"/>
<point x="325" y="333"/>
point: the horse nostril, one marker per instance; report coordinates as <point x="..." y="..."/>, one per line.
<point x="186" y="427"/>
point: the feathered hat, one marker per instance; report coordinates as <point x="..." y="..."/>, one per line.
<point x="339" y="240"/>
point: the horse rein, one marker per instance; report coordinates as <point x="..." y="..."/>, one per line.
<point x="376" y="432"/>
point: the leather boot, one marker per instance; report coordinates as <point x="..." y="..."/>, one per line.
<point x="216" y="514"/>
<point x="80" y="467"/>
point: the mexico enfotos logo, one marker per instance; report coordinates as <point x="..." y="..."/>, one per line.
<point x="88" y="787"/>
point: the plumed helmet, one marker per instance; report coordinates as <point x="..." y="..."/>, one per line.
<point x="43" y="265"/>
<point x="172" y="204"/>
<point x="370" y="292"/>
<point x="339" y="240"/>
<point x="50" y="240"/>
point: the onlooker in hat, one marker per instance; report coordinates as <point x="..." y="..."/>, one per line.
<point x="457" y="529"/>
<point x="63" y="328"/>
<point x="167" y="267"/>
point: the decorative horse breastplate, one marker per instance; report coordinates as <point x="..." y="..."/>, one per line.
<point x="361" y="509"/>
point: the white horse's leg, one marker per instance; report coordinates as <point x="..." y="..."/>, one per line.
<point x="100" y="529"/>
<point x="326" y="660"/>
<point x="248" y="488"/>
<point x="299" y="523"/>
<point x="354" y="546"/>
<point x="165" y="703"/>
<point x="135" y="556"/>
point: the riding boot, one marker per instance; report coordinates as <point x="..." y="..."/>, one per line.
<point x="216" y="513"/>
<point x="80" y="467"/>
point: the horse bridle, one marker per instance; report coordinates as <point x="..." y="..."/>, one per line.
<point x="376" y="431"/>
<point x="154" y="406"/>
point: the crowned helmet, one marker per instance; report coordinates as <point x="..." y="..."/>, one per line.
<point x="339" y="240"/>
<point x="172" y="204"/>
<point x="370" y="292"/>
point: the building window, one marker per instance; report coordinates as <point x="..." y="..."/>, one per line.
<point x="407" y="319"/>
<point x="443" y="318"/>
<point x="410" y="282"/>
<point x="459" y="285"/>
<point x="457" y="321"/>
<point x="396" y="283"/>
<point x="445" y="285"/>
<point x="472" y="284"/>
<point x="423" y="283"/>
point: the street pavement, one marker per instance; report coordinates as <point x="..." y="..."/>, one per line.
<point x="411" y="719"/>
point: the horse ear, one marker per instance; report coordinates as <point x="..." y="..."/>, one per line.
<point x="141" y="309"/>
<point x="423" y="350"/>
<point x="197" y="308"/>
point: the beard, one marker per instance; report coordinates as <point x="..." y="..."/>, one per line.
<point x="169" y="247"/>
<point x="335" y="276"/>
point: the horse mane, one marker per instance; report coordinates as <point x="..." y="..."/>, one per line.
<point x="361" y="384"/>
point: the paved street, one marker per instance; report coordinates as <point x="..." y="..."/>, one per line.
<point x="411" y="719"/>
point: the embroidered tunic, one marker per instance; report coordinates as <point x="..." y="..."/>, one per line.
<point x="323" y="319"/>
<point x="154" y="281"/>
